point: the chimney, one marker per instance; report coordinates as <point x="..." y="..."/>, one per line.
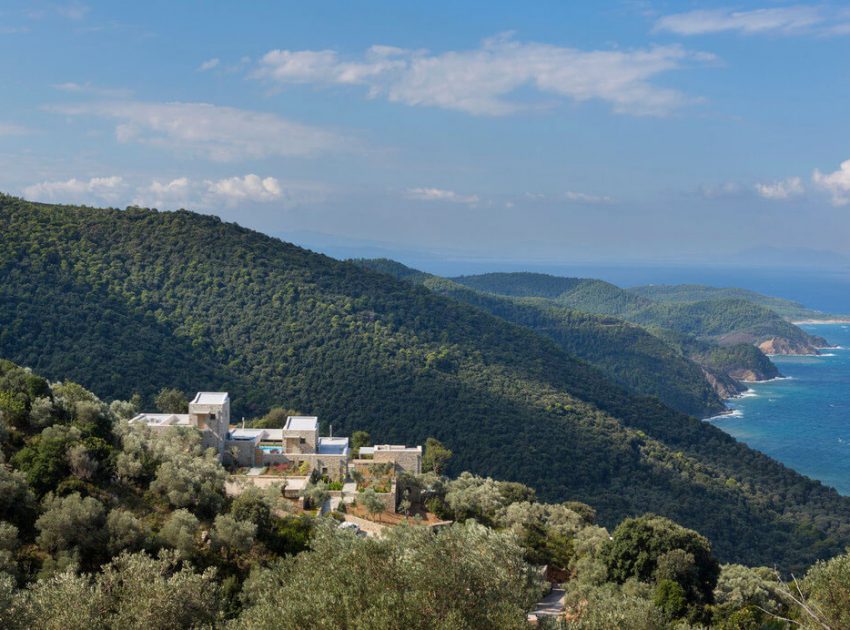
<point x="331" y="430"/>
<point x="243" y="422"/>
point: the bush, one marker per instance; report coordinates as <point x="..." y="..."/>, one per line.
<point x="639" y="544"/>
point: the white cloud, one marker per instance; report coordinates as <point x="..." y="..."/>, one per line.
<point x="783" y="189"/>
<point x="250" y="188"/>
<point x="481" y="81"/>
<point x="176" y="193"/>
<point x="72" y="10"/>
<point x="198" y="194"/>
<point x="209" y="64"/>
<point x="571" y="196"/>
<point x="209" y="131"/>
<point x="75" y="11"/>
<point x="11" y="129"/>
<point x="587" y="198"/>
<point x="782" y="20"/>
<point x="88" y="88"/>
<point x="836" y="183"/>
<point x="72" y="190"/>
<point x="440" y="194"/>
<point x="723" y="190"/>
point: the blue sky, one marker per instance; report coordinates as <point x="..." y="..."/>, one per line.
<point x="545" y="131"/>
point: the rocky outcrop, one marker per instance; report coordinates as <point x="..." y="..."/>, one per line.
<point x="780" y="345"/>
<point x="724" y="385"/>
<point x="748" y="376"/>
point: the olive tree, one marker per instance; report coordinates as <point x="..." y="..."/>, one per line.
<point x="464" y="576"/>
<point x="17" y="502"/>
<point x="72" y="527"/>
<point x="232" y="535"/>
<point x="9" y="543"/>
<point x="125" y="531"/>
<point x="371" y="502"/>
<point x="180" y="532"/>
<point x="191" y="481"/>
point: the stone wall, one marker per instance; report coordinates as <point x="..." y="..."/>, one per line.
<point x="408" y="460"/>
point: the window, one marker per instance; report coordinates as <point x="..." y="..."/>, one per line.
<point x="302" y="441"/>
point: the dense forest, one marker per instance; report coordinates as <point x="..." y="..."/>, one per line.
<point x="133" y="301"/>
<point x="789" y="309"/>
<point x="723" y="318"/>
<point x="626" y="353"/>
<point x="107" y="525"/>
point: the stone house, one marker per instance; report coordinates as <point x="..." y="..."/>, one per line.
<point x="298" y="444"/>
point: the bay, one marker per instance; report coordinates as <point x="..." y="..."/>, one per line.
<point x="802" y="420"/>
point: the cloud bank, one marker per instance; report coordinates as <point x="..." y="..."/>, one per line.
<point x="222" y="134"/>
<point x="486" y="80"/>
<point x="837" y="183"/>
<point x="775" y="20"/>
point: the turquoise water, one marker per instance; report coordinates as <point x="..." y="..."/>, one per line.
<point x="803" y="420"/>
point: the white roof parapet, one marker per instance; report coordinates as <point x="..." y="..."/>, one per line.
<point x="395" y="447"/>
<point x="210" y="398"/>
<point x="162" y="419"/>
<point x="302" y="423"/>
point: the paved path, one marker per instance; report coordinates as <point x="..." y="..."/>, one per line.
<point x="550" y="606"/>
<point x="370" y="527"/>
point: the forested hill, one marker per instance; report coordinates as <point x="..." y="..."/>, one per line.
<point x="626" y="353"/>
<point x="583" y="294"/>
<point x="82" y="290"/>
<point x="723" y="319"/>
<point x="789" y="309"/>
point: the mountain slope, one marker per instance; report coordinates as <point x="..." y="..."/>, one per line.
<point x="788" y="309"/>
<point x="363" y="350"/>
<point x="626" y="353"/>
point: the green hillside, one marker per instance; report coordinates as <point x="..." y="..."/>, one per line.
<point x="275" y="324"/>
<point x="107" y="525"/>
<point x="726" y="320"/>
<point x="626" y="353"/>
<point x="789" y="309"/>
<point x="583" y="294"/>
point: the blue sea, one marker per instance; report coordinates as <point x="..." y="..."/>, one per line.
<point x="802" y="420"/>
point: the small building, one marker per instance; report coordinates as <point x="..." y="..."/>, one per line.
<point x="405" y="458"/>
<point x="209" y="412"/>
<point x="298" y="444"/>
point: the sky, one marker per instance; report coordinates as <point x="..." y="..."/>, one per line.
<point x="505" y="131"/>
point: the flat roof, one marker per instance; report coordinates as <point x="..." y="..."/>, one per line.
<point x="244" y="434"/>
<point x="395" y="447"/>
<point x="252" y="434"/>
<point x="302" y="423"/>
<point x="163" y="419"/>
<point x="210" y="398"/>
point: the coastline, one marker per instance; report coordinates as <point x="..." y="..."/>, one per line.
<point x="814" y="322"/>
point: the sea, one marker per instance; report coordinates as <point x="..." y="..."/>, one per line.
<point x="803" y="418"/>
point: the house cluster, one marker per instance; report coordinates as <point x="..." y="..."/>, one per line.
<point x="297" y="445"/>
